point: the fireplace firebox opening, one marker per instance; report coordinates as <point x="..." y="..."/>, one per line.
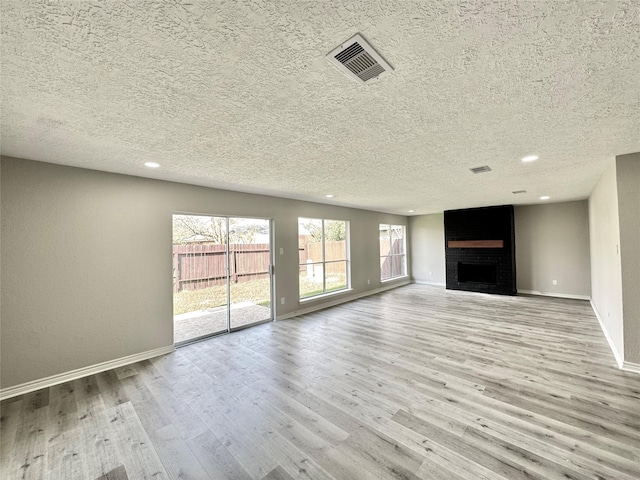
<point x="477" y="273"/>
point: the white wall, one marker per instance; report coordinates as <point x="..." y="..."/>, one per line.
<point x="86" y="261"/>
<point x="628" y="184"/>
<point x="427" y="249"/>
<point x="606" y="276"/>
<point x="552" y="243"/>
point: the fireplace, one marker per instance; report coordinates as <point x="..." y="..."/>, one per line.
<point x="480" y="250"/>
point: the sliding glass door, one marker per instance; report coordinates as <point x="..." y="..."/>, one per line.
<point x="221" y="274"/>
<point x="249" y="271"/>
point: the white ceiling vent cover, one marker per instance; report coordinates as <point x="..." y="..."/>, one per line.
<point x="358" y="60"/>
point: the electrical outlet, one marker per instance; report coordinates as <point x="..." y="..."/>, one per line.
<point x="282" y="301"/>
<point x="368" y="282"/>
<point x="555" y="282"/>
<point x="281" y="251"/>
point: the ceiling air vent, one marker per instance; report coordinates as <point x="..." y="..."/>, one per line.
<point x="358" y="60"/>
<point x="517" y="192"/>
<point x="484" y="168"/>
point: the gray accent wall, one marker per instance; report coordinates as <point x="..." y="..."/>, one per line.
<point x="628" y="180"/>
<point x="552" y="243"/>
<point x="427" y="249"/>
<point x="86" y="261"/>
<point x="606" y="275"/>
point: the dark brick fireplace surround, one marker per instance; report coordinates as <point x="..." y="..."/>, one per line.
<point x="480" y="250"/>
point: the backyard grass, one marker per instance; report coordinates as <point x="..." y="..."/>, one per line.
<point x="255" y="291"/>
<point x="309" y="288"/>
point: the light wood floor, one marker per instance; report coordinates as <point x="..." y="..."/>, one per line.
<point x="415" y="383"/>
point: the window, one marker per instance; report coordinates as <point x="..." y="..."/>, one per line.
<point x="324" y="256"/>
<point x="393" y="259"/>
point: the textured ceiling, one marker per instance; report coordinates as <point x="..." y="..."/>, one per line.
<point x="238" y="95"/>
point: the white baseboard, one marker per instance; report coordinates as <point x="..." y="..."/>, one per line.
<point x="631" y="367"/>
<point x="612" y="346"/>
<point x="340" y="300"/>
<point x="553" y="294"/>
<point x="81" y="372"/>
<point x="433" y="284"/>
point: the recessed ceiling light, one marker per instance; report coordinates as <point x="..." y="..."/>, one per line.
<point x="411" y="211"/>
<point x="151" y="164"/>
<point x="545" y="197"/>
<point x="530" y="158"/>
<point x="329" y="196"/>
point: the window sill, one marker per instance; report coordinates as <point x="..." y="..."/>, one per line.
<point x="324" y="295"/>
<point x="393" y="279"/>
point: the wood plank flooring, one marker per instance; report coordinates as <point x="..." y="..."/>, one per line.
<point x="415" y="383"/>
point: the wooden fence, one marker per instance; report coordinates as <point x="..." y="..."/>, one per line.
<point x="332" y="251"/>
<point x="199" y="266"/>
<point x="202" y="266"/>
<point x="392" y="258"/>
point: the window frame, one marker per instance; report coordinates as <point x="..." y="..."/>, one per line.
<point x="324" y="262"/>
<point x="391" y="255"/>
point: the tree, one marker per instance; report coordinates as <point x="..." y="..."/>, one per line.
<point x="334" y="230"/>
<point x="202" y="229"/>
<point x="241" y="231"/>
<point x="195" y="228"/>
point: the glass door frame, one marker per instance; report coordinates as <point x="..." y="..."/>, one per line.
<point x="272" y="295"/>
<point x="271" y="276"/>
